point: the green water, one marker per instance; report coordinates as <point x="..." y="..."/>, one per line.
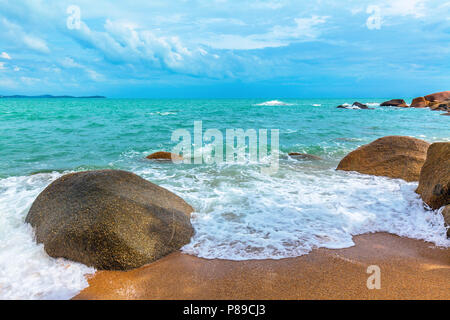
<point x="38" y="135"/>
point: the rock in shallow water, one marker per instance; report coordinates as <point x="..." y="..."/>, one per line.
<point x="355" y="105"/>
<point x="393" y="156"/>
<point x="419" y="102"/>
<point x="438" y="96"/>
<point x="165" y="156"/>
<point x="394" y="103"/>
<point x="304" y="156"/>
<point x="109" y="219"/>
<point x="434" y="183"/>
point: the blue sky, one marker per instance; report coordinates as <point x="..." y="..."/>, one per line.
<point x="225" y="48"/>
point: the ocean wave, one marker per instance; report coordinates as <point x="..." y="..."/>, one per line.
<point x="240" y="214"/>
<point x="272" y="103"/>
<point x="243" y="214"/>
<point x="26" y="271"/>
<point x="160" y="113"/>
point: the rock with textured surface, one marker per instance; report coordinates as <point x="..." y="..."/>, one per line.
<point x="440" y="106"/>
<point x="434" y="183"/>
<point x="165" y="156"/>
<point x="394" y="103"/>
<point x="393" y="156"/>
<point x="109" y="219"/>
<point x="360" y="105"/>
<point x="439" y="96"/>
<point x="419" y="102"/>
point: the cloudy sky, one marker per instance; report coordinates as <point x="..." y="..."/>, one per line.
<point x="225" y="48"/>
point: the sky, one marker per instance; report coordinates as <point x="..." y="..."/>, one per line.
<point x="225" y="48"/>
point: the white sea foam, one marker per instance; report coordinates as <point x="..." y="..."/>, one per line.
<point x="26" y="271"/>
<point x="242" y="214"/>
<point x="160" y="113"/>
<point x="316" y="105"/>
<point x="274" y="103"/>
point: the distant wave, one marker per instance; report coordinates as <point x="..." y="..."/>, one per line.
<point x="274" y="103"/>
<point x="349" y="106"/>
<point x="159" y="113"/>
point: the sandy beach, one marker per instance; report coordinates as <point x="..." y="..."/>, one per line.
<point x="410" y="269"/>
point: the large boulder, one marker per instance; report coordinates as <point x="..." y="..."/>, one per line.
<point x="439" y="96"/>
<point x="419" y="102"/>
<point x="433" y="100"/>
<point x="109" y="219"/>
<point x="440" y="105"/>
<point x="394" y="103"/>
<point x="434" y="182"/>
<point x="393" y="156"/>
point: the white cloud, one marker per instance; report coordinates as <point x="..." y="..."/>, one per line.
<point x="29" y="80"/>
<point x="5" y="55"/>
<point x="2" y="66"/>
<point x="36" y="43"/>
<point x="415" y="8"/>
<point x="128" y="43"/>
<point x="303" y="29"/>
<point x="237" y="42"/>
<point x="14" y="33"/>
<point x="71" y="63"/>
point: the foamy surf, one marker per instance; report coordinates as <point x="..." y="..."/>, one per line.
<point x="240" y="214"/>
<point x="26" y="271"/>
<point x="273" y="103"/>
<point x="243" y="214"/>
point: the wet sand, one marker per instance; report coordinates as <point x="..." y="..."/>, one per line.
<point x="410" y="269"/>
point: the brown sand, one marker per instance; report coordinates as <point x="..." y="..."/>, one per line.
<point x="410" y="269"/>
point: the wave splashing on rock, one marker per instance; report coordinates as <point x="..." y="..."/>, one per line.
<point x="274" y="103"/>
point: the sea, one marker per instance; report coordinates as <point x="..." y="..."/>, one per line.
<point x="241" y="211"/>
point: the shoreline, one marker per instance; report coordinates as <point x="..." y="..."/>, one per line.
<point x="410" y="269"/>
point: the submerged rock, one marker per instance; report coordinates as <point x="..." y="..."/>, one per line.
<point x="304" y="156"/>
<point x="165" y="156"/>
<point x="434" y="183"/>
<point x="355" y="105"/>
<point x="109" y="219"/>
<point x="394" y="103"/>
<point x="393" y="156"/>
<point x="360" y="105"/>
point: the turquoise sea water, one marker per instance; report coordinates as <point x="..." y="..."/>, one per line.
<point x="67" y="134"/>
<point x="241" y="213"/>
